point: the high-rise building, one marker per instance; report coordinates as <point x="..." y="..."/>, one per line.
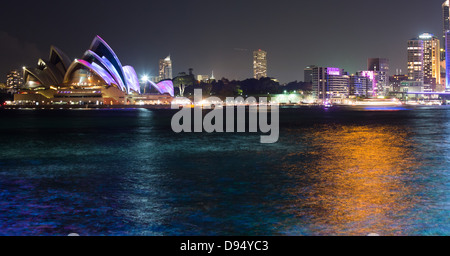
<point x="259" y="64"/>
<point x="360" y="86"/>
<point x="380" y="67"/>
<point x="308" y="74"/>
<point x="378" y="64"/>
<point x="415" y="60"/>
<point x="424" y="60"/>
<point x="447" y="60"/>
<point x="372" y="90"/>
<point x="446" y="16"/>
<point x="330" y="84"/>
<point x="446" y="26"/>
<point x="431" y="59"/>
<point x="165" y="68"/>
<point x="14" y="79"/>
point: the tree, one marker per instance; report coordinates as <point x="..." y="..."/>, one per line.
<point x="182" y="81"/>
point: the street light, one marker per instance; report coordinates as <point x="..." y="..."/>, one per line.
<point x="144" y="78"/>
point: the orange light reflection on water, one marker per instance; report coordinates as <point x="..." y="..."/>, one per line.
<point x="355" y="180"/>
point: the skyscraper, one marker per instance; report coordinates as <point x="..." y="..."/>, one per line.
<point x="447" y="60"/>
<point x="308" y="74"/>
<point x="380" y="68"/>
<point x="259" y="64"/>
<point x="446" y="27"/>
<point x="378" y="64"/>
<point x="415" y="60"/>
<point x="446" y="16"/>
<point x="424" y="59"/>
<point x="165" y="68"/>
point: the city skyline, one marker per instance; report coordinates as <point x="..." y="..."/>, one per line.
<point x="234" y="121"/>
<point x="290" y="38"/>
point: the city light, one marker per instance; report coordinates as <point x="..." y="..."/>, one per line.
<point x="334" y="71"/>
<point x="145" y="78"/>
<point x="364" y="143"/>
<point x="426" y="36"/>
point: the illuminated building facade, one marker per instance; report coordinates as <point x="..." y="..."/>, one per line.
<point x="431" y="59"/>
<point x="259" y="64"/>
<point x="14" y="80"/>
<point x="330" y="83"/>
<point x="360" y="85"/>
<point x="446" y="16"/>
<point x="447" y="60"/>
<point x="165" y="69"/>
<point x="446" y="27"/>
<point x="415" y="60"/>
<point x="380" y="67"/>
<point x="395" y="82"/>
<point x="372" y="90"/>
<point x="424" y="60"/>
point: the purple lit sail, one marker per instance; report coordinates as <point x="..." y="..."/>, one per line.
<point x="94" y="67"/>
<point x="102" y="59"/>
<point x="100" y="47"/>
<point x="106" y="64"/>
<point x="103" y="74"/>
<point x="165" y="86"/>
<point x="131" y="79"/>
<point x="114" y="73"/>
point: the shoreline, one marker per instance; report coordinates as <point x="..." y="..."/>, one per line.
<point x="168" y="107"/>
<point x="78" y="107"/>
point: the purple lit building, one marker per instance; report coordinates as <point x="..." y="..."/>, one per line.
<point x="361" y="84"/>
<point x="380" y="68"/>
<point x="330" y="83"/>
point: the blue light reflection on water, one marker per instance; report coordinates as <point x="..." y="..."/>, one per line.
<point x="342" y="171"/>
<point x="385" y="108"/>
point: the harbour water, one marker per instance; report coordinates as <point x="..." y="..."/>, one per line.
<point x="338" y="171"/>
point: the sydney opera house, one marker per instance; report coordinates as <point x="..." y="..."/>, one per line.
<point x="97" y="78"/>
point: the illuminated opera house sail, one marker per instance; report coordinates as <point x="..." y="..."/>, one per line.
<point x="97" y="77"/>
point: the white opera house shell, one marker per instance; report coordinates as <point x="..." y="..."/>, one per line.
<point x="96" y="78"/>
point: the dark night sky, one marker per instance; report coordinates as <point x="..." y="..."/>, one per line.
<point x="219" y="35"/>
